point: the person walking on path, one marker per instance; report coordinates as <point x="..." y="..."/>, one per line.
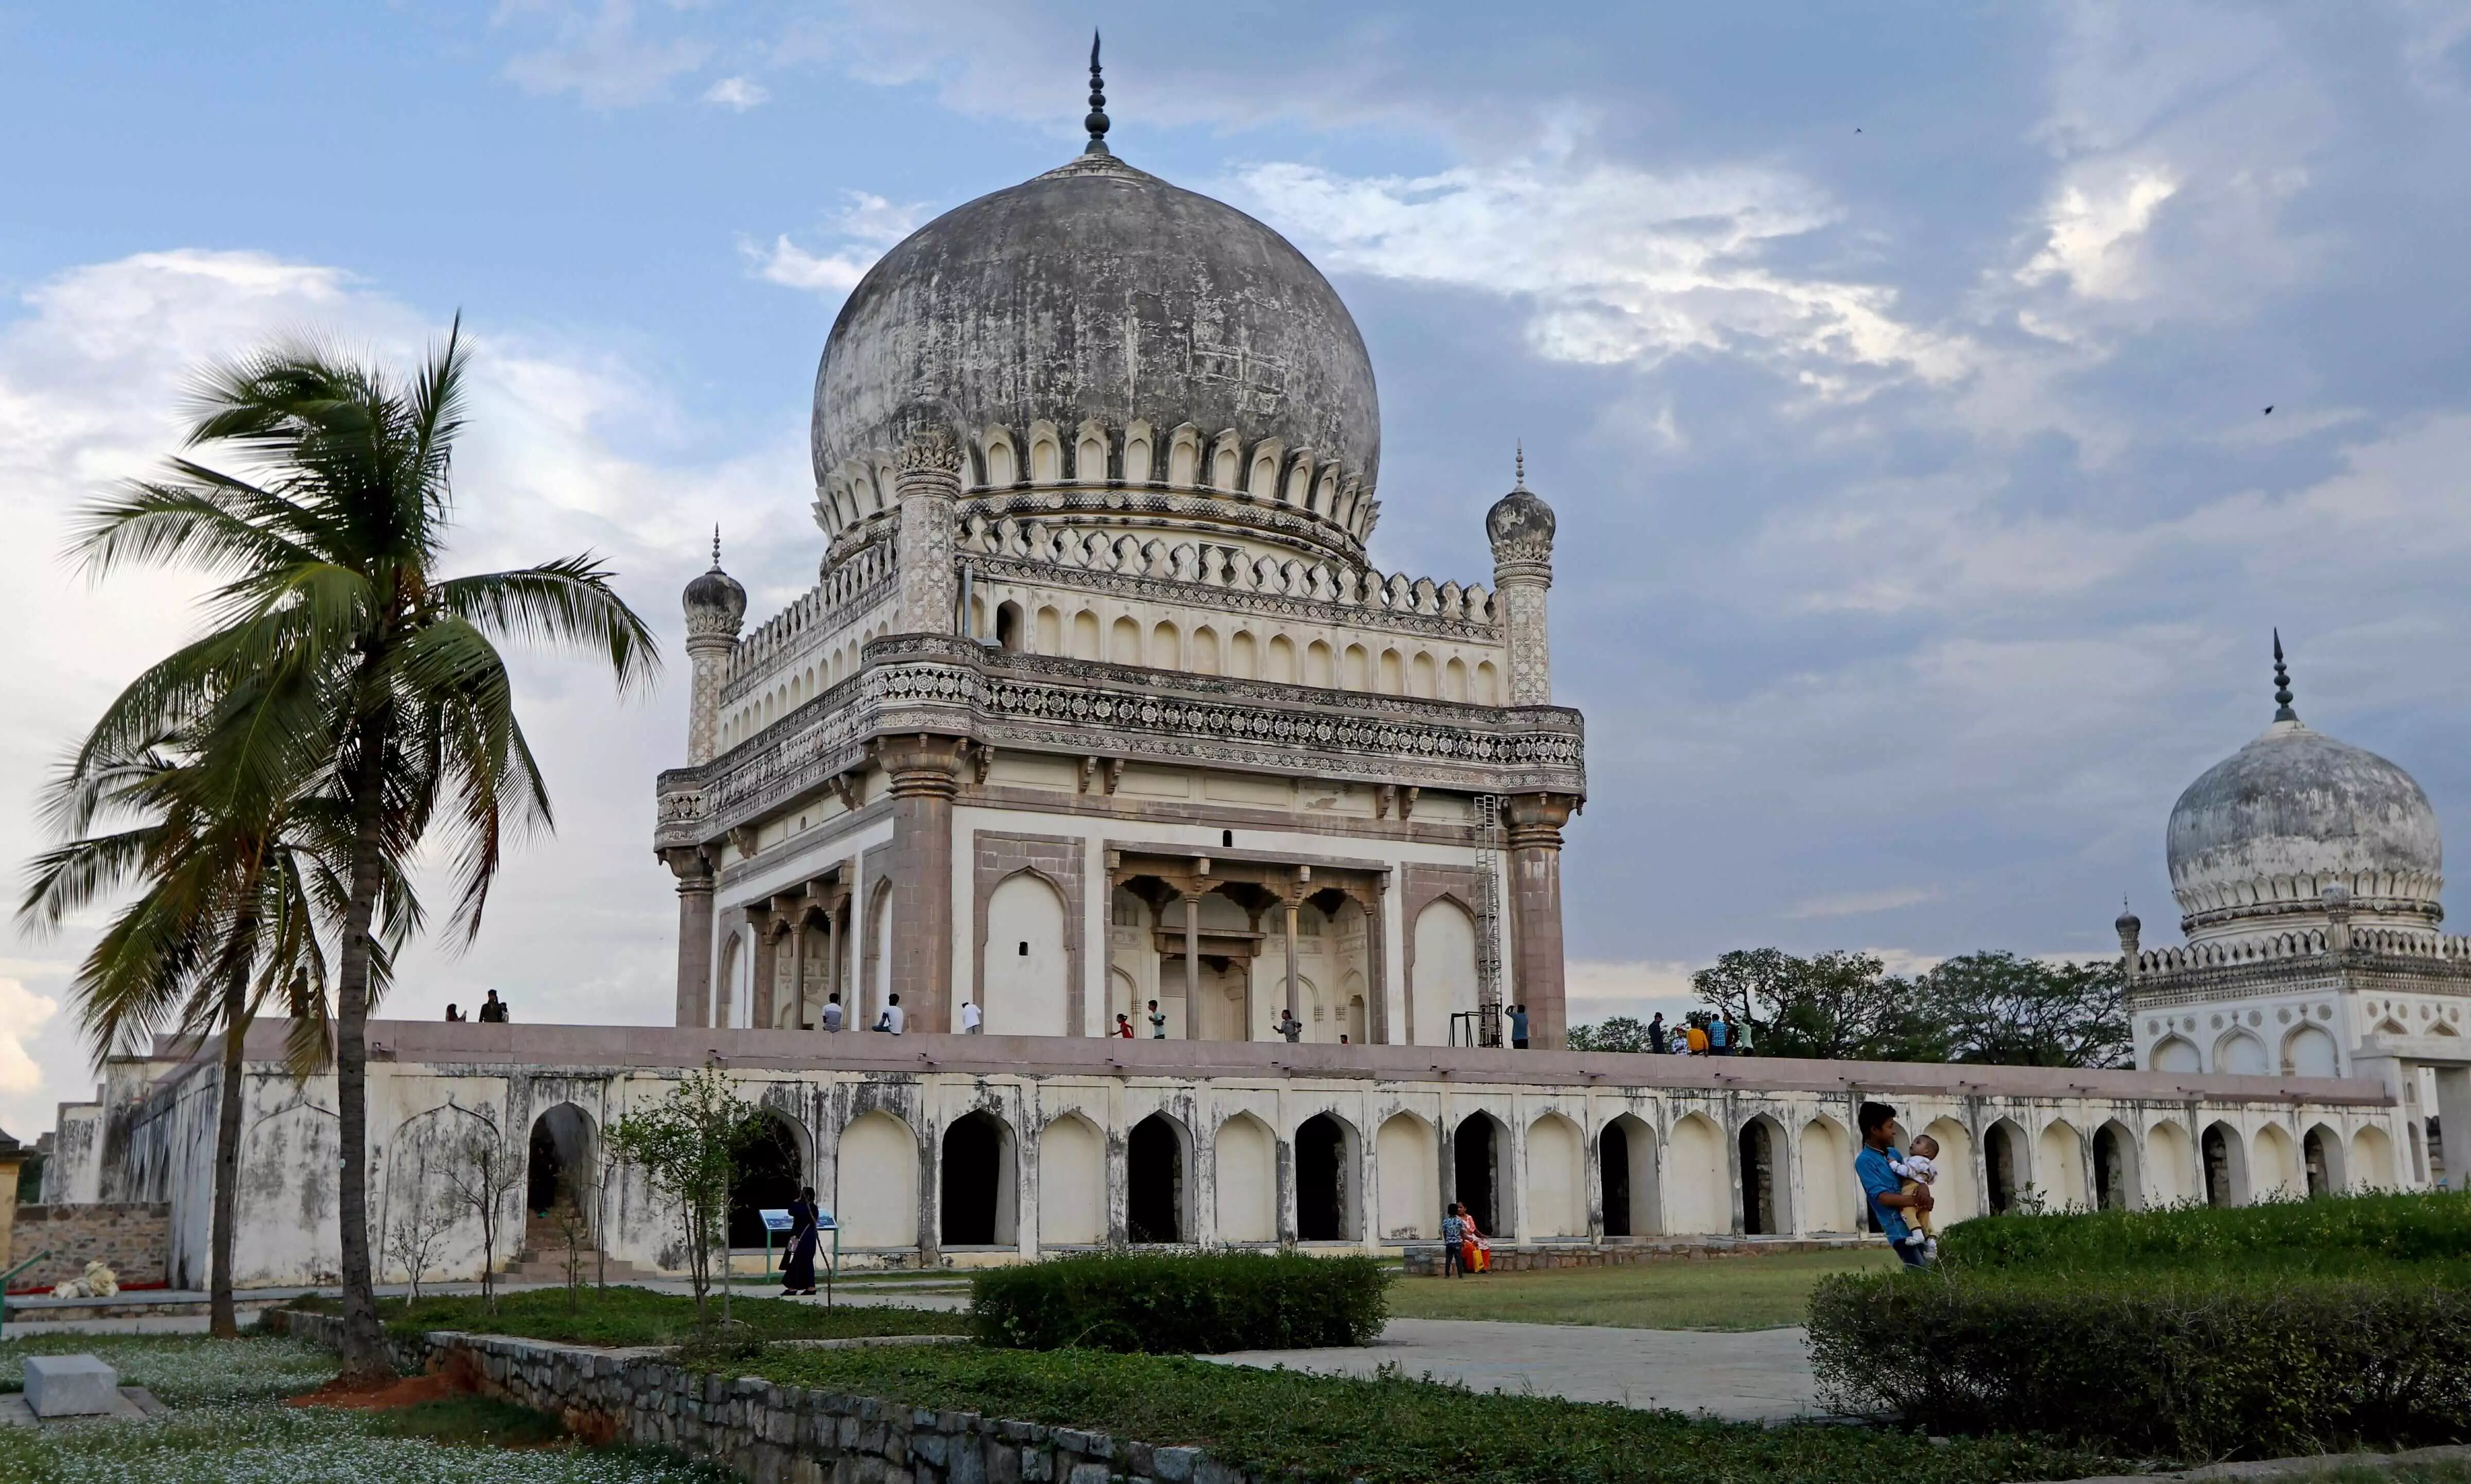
<point x="1290" y="1026"/>
<point x="1656" y="1038"/>
<point x="1518" y="1027"/>
<point x="1158" y="1023"/>
<point x="798" y="1269"/>
<point x="1875" y="1168"/>
<point x="1454" y="1233"/>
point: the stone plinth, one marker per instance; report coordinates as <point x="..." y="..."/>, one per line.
<point x="71" y="1387"/>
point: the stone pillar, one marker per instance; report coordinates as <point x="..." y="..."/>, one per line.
<point x="798" y="1017"/>
<point x="1376" y="966"/>
<point x="2453" y="1126"/>
<point x="928" y="487"/>
<point x="1293" y="901"/>
<point x="925" y="773"/>
<point x="1520" y="527"/>
<point x="767" y="972"/>
<point x="1191" y="963"/>
<point x="693" y="871"/>
<point x="1536" y="821"/>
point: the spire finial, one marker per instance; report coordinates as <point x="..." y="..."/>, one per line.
<point x="715" y="547"/>
<point x="1520" y="481"/>
<point x="1096" y="122"/>
<point x="2281" y="683"/>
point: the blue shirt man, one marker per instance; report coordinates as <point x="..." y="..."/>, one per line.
<point x="1720" y="1030"/>
<point x="1880" y="1185"/>
<point x="1518" y="1027"/>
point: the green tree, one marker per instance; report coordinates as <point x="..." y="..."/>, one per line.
<point x="1618" y="1033"/>
<point x="1997" y="1006"/>
<point x="232" y="882"/>
<point x="687" y="1146"/>
<point x="1835" y="1006"/>
<point x="386" y="673"/>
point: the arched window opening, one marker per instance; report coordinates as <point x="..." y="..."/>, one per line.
<point x="1999" y="1158"/>
<point x="1612" y="1158"/>
<point x="1154" y="1182"/>
<point x="769" y="1171"/>
<point x="1009" y="635"/>
<point x="977" y="1185"/>
<point x="1321" y="1180"/>
<point x="559" y="1178"/>
<point x="1475" y="1158"/>
<point x="1762" y="1192"/>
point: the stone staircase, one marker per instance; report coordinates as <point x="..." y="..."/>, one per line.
<point x="542" y="1257"/>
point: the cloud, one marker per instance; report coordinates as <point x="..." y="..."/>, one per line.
<point x="22" y="1013"/>
<point x="1615" y="265"/>
<point x="2093" y="240"/>
<point x="602" y="57"/>
<point x="868" y="225"/>
<point x="1858" y="903"/>
<point x="739" y="94"/>
<point x="1597" y="988"/>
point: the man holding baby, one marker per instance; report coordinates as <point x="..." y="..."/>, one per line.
<point x="1899" y="1188"/>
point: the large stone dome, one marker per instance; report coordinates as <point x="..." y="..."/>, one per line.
<point x="1097" y="292"/>
<point x="2256" y="842"/>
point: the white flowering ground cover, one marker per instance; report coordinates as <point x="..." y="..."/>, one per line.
<point x="228" y="1425"/>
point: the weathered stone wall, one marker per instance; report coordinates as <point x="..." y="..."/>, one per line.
<point x="132" y="1239"/>
<point x="789" y="1434"/>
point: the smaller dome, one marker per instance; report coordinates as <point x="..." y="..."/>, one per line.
<point x="1521" y="523"/>
<point x="2129" y="924"/>
<point x="714" y="597"/>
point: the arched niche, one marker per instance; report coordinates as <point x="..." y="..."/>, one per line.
<point x="1406" y="1163"/>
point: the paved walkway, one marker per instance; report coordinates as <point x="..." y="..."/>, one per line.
<point x="1749" y="1375"/>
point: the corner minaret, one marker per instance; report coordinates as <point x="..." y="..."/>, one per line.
<point x="1520" y="526"/>
<point x="715" y="605"/>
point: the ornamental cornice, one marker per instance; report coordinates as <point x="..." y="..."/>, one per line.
<point x="934" y="684"/>
<point x="1229" y="599"/>
<point x="2355" y="969"/>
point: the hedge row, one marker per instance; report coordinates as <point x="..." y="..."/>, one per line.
<point x="2327" y="1233"/>
<point x="1181" y="1303"/>
<point x="2174" y="1366"/>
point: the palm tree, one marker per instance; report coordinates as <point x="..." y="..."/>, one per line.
<point x="226" y="919"/>
<point x="387" y="672"/>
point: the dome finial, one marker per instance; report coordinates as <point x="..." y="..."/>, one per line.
<point x="1518" y="467"/>
<point x="2281" y="683"/>
<point x="1096" y="122"/>
<point x="716" y="546"/>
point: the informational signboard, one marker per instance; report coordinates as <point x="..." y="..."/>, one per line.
<point x="824" y="1221"/>
<point x="775" y="1220"/>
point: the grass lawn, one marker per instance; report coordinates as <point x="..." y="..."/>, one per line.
<point x="228" y="1425"/>
<point x="1722" y="1293"/>
<point x="1390" y="1430"/>
<point x="620" y="1315"/>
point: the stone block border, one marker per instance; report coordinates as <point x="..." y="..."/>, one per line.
<point x="775" y="1434"/>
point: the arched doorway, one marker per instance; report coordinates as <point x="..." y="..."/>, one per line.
<point x="1612" y="1167"/>
<point x="1154" y="1181"/>
<point x="976" y="1188"/>
<point x="770" y="1168"/>
<point x="1475" y="1159"/>
<point x="559" y="1172"/>
<point x="1321" y="1180"/>
<point x="2313" y="1159"/>
<point x="2114" y="1170"/>
<point x="2225" y="1171"/>
<point x="1999" y="1164"/>
<point x="1762" y="1180"/>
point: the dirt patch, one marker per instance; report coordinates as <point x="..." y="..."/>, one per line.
<point x="383" y="1396"/>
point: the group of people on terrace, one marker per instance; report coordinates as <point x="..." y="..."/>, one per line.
<point x="1715" y="1036"/>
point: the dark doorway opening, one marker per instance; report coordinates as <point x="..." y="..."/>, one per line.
<point x="559" y="1170"/>
<point x="1999" y="1162"/>
<point x="1475" y="1154"/>
<point x="973" y="1180"/>
<point x="1759" y="1211"/>
<point x="1154" y="1182"/>
<point x="2217" y="1169"/>
<point x="768" y="1175"/>
<point x="2312" y="1151"/>
<point x="2109" y="1171"/>
<point x="1613" y="1157"/>
<point x="1321" y="1180"/>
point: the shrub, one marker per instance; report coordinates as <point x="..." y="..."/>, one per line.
<point x="2332" y="1234"/>
<point x="2177" y="1365"/>
<point x="1181" y="1303"/>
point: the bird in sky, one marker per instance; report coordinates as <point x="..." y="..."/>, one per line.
<point x="2269" y="411"/>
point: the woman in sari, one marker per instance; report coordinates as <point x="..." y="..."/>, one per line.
<point x="1476" y="1254"/>
<point x="798" y="1270"/>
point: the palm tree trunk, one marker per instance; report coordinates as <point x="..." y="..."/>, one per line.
<point x="364" y="1347"/>
<point x="223" y="1322"/>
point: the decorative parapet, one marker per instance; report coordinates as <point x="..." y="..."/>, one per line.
<point x="1325" y="591"/>
<point x="861" y="580"/>
<point x="952" y="687"/>
<point x="2366" y="942"/>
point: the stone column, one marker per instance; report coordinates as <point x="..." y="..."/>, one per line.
<point x="1292" y="903"/>
<point x="693" y="871"/>
<point x="768" y="971"/>
<point x="1191" y="964"/>
<point x="928" y="487"/>
<point x="798" y="968"/>
<point x="1536" y="821"/>
<point x="2453" y="1126"/>
<point x="925" y="773"/>
<point x="1376" y="964"/>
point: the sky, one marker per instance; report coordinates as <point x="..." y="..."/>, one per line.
<point x="1898" y="373"/>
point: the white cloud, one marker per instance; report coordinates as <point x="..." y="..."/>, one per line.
<point x="1859" y="903"/>
<point x="2092" y="238"/>
<point x="1617" y="264"/>
<point x="738" y="93"/>
<point x="1641" y="986"/>
<point x="602" y="57"/>
<point x="22" y="1013"/>
<point x="869" y="225"/>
